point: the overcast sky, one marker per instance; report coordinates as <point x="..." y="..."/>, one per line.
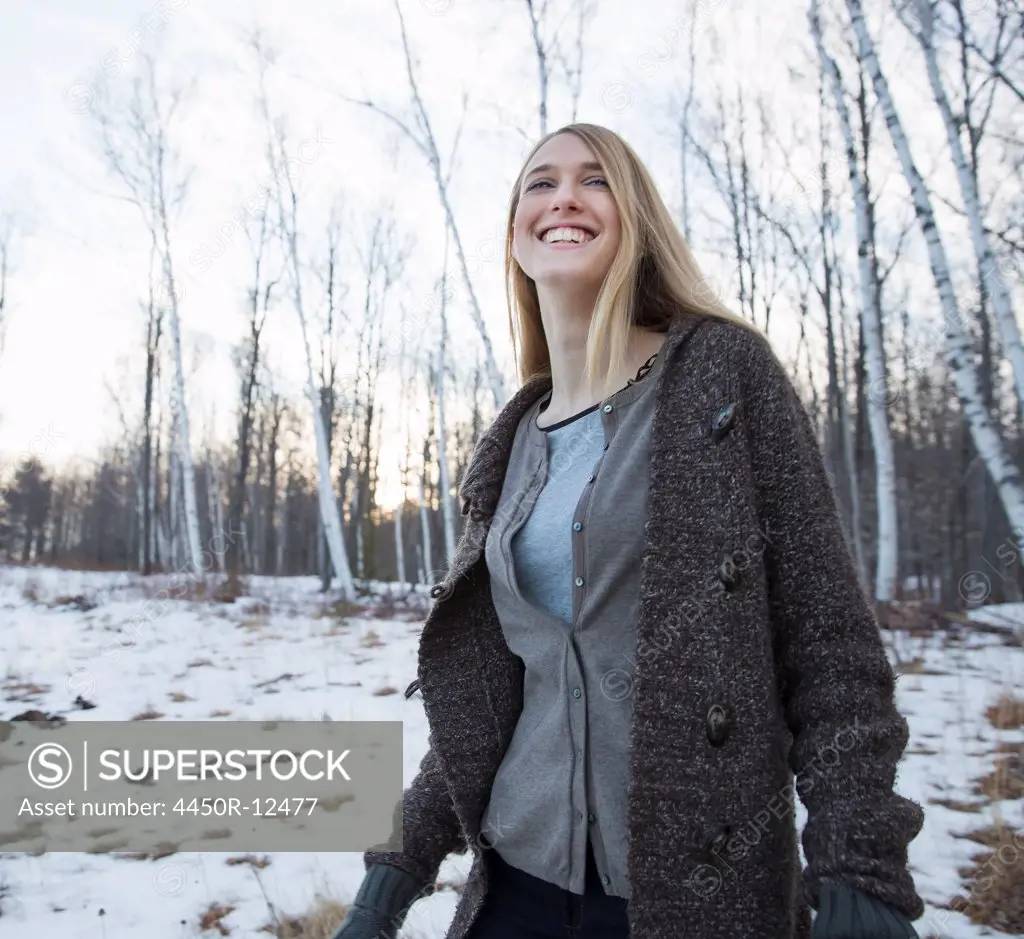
<point x="80" y="252"/>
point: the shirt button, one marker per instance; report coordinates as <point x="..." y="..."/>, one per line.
<point x="607" y="409"/>
<point x="579" y="581"/>
<point x="591" y="817"/>
<point x="590" y="478"/>
<point x="576" y="526"/>
<point x="605" y="879"/>
<point x="576" y="692"/>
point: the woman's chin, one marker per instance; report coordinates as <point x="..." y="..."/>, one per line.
<point x="568" y="276"/>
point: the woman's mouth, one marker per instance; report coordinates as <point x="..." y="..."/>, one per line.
<point x="566" y="236"/>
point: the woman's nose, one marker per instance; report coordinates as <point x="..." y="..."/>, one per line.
<point x="564" y="197"/>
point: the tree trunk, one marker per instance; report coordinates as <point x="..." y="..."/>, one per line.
<point x="991" y="449"/>
<point x="881" y="437"/>
<point x="988" y="264"/>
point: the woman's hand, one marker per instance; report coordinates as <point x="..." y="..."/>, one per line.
<point x="363" y="923"/>
<point x="847" y="913"/>
<point x="381" y="904"/>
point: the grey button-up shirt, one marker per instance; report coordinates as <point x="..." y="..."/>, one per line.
<point x="563" y="554"/>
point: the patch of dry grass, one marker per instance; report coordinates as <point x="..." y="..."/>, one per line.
<point x="321" y="922"/>
<point x="958" y="805"/>
<point x="1007" y="713"/>
<point x="24" y="691"/>
<point x="212" y="919"/>
<point x="250" y="859"/>
<point x="1006" y="781"/>
<point x="995" y="881"/>
<point x="254" y="622"/>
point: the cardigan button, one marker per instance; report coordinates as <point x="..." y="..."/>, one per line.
<point x="717" y="845"/>
<point x="718" y="725"/>
<point x="722" y="420"/>
<point x="729" y="572"/>
<point x="441" y="591"/>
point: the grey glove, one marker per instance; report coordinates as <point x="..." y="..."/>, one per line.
<point x="847" y="913"/>
<point x="381" y="904"/>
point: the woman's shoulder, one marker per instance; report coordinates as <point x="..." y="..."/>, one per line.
<point x="736" y="348"/>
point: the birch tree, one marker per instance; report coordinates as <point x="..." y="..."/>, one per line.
<point x="447" y="511"/>
<point x="425" y="141"/>
<point x="885" y="464"/>
<point x="381" y="261"/>
<point x="286" y="203"/>
<point x="139" y="152"/>
<point x="215" y="497"/>
<point x="259" y="297"/>
<point x="1006" y="475"/>
<point x="684" y="124"/>
<point x="549" y="47"/>
<point x="154" y="328"/>
<point x="332" y="325"/>
<point x="275" y="411"/>
<point x="989" y="269"/>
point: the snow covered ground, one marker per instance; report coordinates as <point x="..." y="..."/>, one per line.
<point x="279" y="653"/>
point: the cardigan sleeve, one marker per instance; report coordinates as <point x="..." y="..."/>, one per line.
<point x="430" y="828"/>
<point x="835" y="683"/>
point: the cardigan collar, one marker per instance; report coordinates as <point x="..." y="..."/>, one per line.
<point x="481" y="485"/>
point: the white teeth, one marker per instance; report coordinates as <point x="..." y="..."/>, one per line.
<point x="577" y="235"/>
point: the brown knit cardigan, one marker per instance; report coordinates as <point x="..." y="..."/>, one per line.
<point x="760" y="670"/>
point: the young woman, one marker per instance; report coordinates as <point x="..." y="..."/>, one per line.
<point x="652" y="637"/>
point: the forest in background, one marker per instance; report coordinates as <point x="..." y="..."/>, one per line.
<point x="898" y="263"/>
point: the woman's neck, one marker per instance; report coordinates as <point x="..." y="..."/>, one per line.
<point x="569" y="394"/>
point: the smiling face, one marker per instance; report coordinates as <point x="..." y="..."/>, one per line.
<point x="566" y="226"/>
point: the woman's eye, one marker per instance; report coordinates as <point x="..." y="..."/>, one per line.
<point x="546" y="182"/>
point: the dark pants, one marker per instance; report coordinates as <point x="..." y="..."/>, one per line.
<point x="521" y="906"/>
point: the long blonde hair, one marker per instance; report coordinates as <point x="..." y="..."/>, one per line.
<point x="652" y="279"/>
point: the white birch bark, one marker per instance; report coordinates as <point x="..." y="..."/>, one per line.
<point x="442" y="439"/>
<point x="400" y="511"/>
<point x="428" y="551"/>
<point x="325" y="490"/>
<point x="424" y="141"/>
<point x="442" y="458"/>
<point x="173" y="463"/>
<point x="287" y="210"/>
<point x="357" y="508"/>
<point x="137" y="148"/>
<point x="164" y="543"/>
<point x="1006" y="476"/>
<point x="193" y="545"/>
<point x="988" y="265"/>
<point x="542" y="63"/>
<point x="217" y="515"/>
<point x="878" y="419"/>
<point x="399" y="553"/>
